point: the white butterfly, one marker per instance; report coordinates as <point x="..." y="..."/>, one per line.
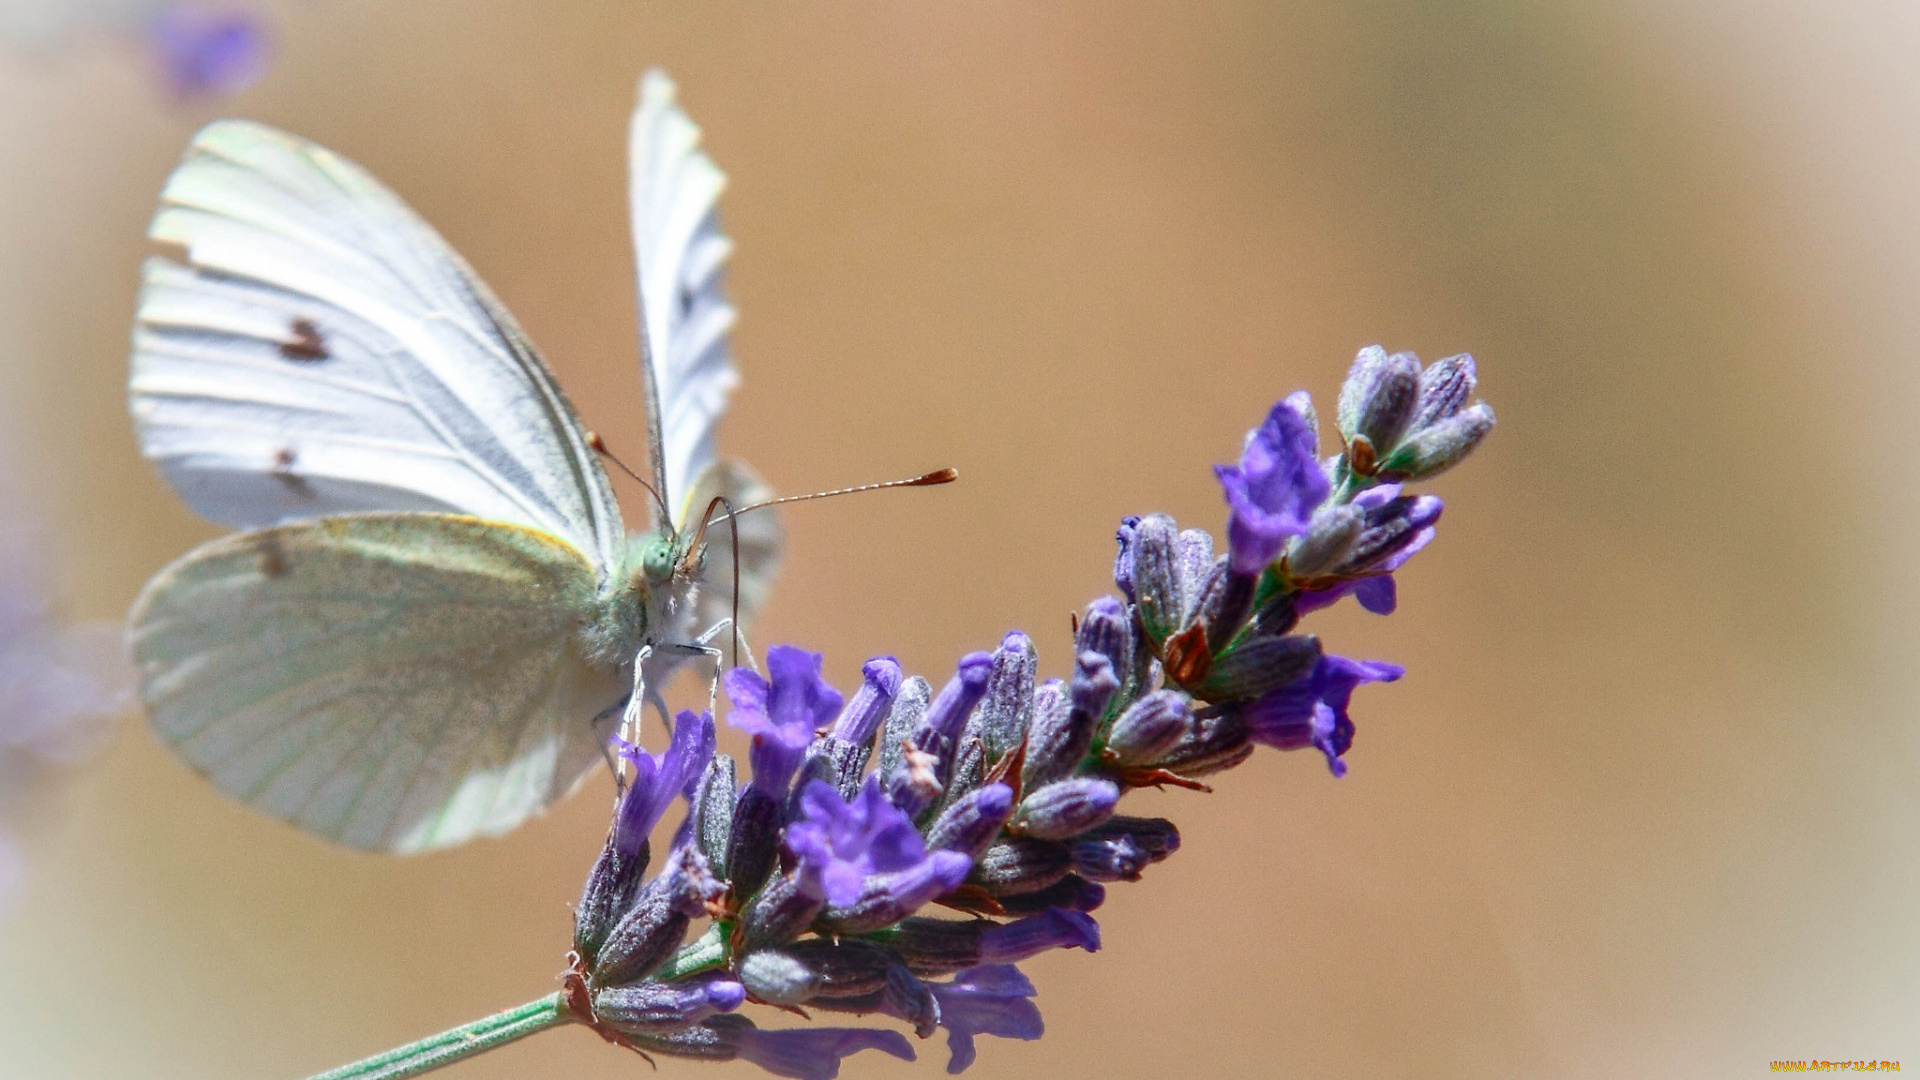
<point x="438" y="596"/>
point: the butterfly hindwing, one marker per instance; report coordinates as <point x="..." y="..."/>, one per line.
<point x="390" y="681"/>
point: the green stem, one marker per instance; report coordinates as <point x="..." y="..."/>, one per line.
<point x="464" y="1041"/>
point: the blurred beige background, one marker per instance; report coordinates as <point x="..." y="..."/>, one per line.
<point x="1646" y="804"/>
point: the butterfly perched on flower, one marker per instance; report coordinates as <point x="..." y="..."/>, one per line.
<point x="435" y="609"/>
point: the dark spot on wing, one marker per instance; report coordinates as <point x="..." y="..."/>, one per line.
<point x="283" y="460"/>
<point x="273" y="558"/>
<point x="307" y="346"/>
<point x="686" y="302"/>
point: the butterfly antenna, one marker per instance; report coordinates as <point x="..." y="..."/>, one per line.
<point x="693" y="555"/>
<point x="599" y="446"/>
<point x="932" y="479"/>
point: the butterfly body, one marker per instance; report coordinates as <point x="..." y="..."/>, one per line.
<point x="433" y="594"/>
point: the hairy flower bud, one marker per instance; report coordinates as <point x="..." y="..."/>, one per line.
<point x="1378" y="399"/>
<point x="1064" y="721"/>
<point x="909" y="706"/>
<point x="1107" y="630"/>
<point x="1438" y="447"/>
<point x="1156" y="577"/>
<point x="1020" y="864"/>
<point x="1066" y="808"/>
<point x="1254" y="667"/>
<point x="711" y="820"/>
<point x="777" y="977"/>
<point x="1072" y="892"/>
<point x="1148" y="727"/>
<point x="1216" y="741"/>
<point x="1000" y="721"/>
<point x="880" y="681"/>
<point x="649" y="1007"/>
<point x="653" y="928"/>
<point x="970" y="823"/>
<point x="779" y="913"/>
<point x="1444" y="388"/>
<point x="1109" y="858"/>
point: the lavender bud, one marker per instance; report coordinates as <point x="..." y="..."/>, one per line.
<point x="1379" y="397"/>
<point x="1123" y="559"/>
<point x="969" y="824"/>
<point x="934" y="947"/>
<point x="1156" y="836"/>
<point x="778" y="914"/>
<point x="1156" y="577"/>
<point x="758" y="817"/>
<point x="1302" y="402"/>
<point x="1444" y="387"/>
<point x="1216" y="741"/>
<point x="1329" y="539"/>
<point x="1254" y="667"/>
<point x="1435" y="449"/>
<point x="911" y="1000"/>
<point x="871" y="703"/>
<point x="648" y="1007"/>
<point x="710" y="822"/>
<point x="844" y="968"/>
<point x="1094" y="684"/>
<point x="1066" y="808"/>
<point x="1392" y="526"/>
<point x="1013" y="942"/>
<point x="1072" y="892"/>
<point x="1107" y="630"/>
<point x="1223" y="600"/>
<point x="1109" y="858"/>
<point x="916" y="784"/>
<point x="887" y="898"/>
<point x="1020" y="864"/>
<point x="909" y="705"/>
<point x="1195" y="547"/>
<point x="652" y="929"/>
<point x="1001" y="719"/>
<point x="1063" y="722"/>
<point x="609" y="892"/>
<point x="777" y="978"/>
<point x="1148" y="727"/>
<point x="969" y="768"/>
<point x="845" y="765"/>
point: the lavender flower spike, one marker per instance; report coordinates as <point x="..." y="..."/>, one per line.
<point x="839" y="843"/>
<point x="1312" y="711"/>
<point x="1272" y="492"/>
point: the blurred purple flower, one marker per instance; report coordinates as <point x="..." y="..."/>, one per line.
<point x="60" y="686"/>
<point x="207" y="51"/>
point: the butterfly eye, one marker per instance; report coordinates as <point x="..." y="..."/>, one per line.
<point x="656" y="559"/>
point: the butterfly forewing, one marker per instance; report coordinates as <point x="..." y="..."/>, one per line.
<point x="325" y="352"/>
<point x="685" y="315"/>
